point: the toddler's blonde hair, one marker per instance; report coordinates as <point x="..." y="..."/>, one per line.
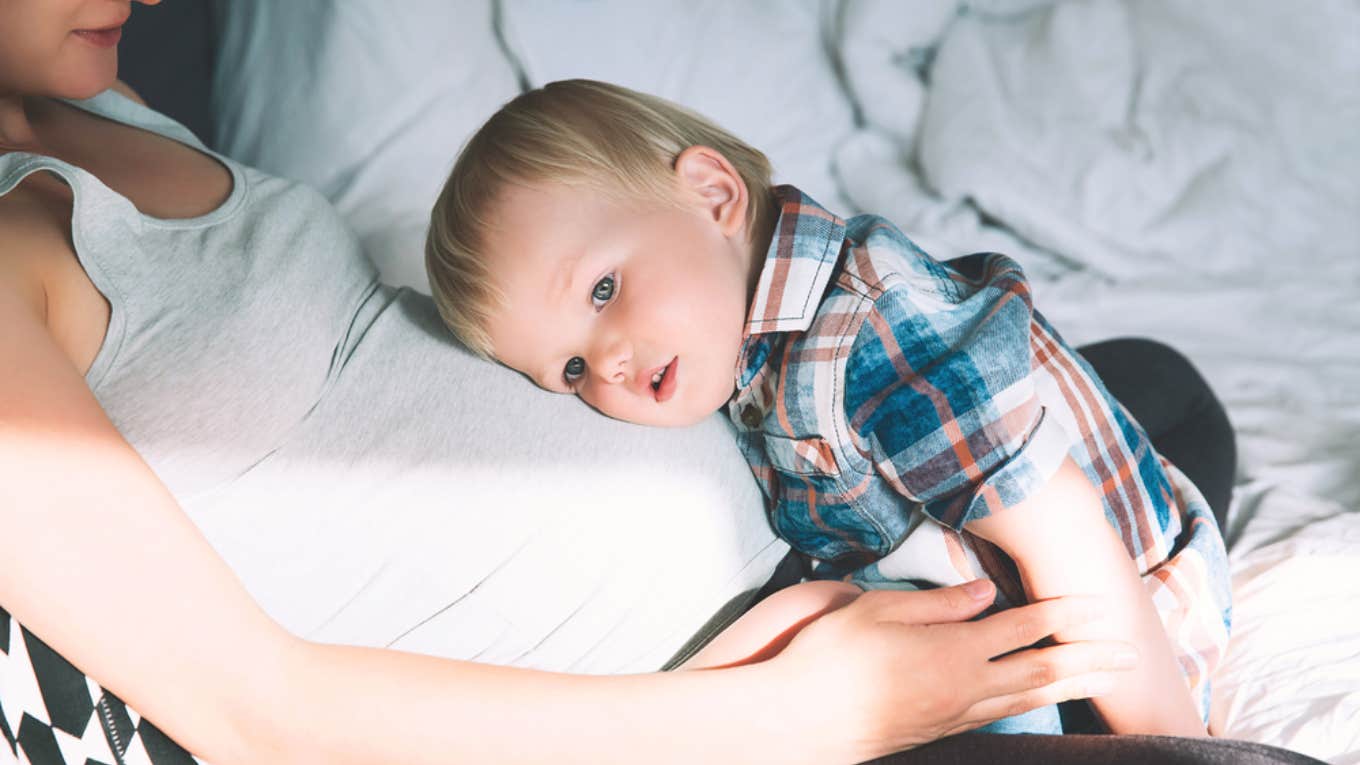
<point x="581" y="133"/>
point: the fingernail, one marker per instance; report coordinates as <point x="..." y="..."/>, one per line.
<point x="1126" y="659"/>
<point x="978" y="589"/>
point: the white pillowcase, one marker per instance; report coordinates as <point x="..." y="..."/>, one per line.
<point x="759" y="69"/>
<point x="368" y="102"/>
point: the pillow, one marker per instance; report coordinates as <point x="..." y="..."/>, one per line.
<point x="368" y="102"/>
<point x="759" y="69"/>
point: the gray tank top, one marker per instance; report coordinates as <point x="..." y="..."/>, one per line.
<point x="370" y="481"/>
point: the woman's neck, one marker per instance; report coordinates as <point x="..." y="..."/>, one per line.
<point x="16" y="129"/>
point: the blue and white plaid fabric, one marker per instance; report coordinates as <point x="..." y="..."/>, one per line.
<point x="885" y="399"/>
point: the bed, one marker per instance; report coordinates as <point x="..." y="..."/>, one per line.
<point x="1184" y="171"/>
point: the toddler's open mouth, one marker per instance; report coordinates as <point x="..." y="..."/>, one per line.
<point x="663" y="382"/>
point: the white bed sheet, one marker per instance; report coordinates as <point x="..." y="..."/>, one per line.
<point x="1292" y="670"/>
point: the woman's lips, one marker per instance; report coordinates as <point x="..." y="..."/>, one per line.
<point x="666" y="388"/>
<point x="102" y="38"/>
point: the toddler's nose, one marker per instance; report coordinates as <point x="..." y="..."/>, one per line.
<point x="611" y="361"/>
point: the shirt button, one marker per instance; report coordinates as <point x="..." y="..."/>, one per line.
<point x="750" y="416"/>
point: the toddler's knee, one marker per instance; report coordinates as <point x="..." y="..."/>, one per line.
<point x="809" y="598"/>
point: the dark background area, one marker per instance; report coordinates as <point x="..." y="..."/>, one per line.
<point x="166" y="55"/>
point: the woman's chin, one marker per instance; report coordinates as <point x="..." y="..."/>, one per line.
<point x="93" y="74"/>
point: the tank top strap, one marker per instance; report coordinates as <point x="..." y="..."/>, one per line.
<point x="113" y="105"/>
<point x="116" y="107"/>
<point x="18" y="165"/>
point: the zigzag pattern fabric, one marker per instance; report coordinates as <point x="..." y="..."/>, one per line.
<point x="52" y="714"/>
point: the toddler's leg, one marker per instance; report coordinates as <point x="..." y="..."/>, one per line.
<point x="763" y="631"/>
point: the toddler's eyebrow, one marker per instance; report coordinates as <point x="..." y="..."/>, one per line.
<point x="562" y="281"/>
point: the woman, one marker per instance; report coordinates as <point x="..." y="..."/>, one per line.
<point x="131" y="291"/>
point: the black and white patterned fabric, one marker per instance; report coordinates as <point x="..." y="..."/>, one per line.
<point x="52" y="714"/>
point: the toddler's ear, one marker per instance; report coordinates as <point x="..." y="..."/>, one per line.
<point x="707" y="172"/>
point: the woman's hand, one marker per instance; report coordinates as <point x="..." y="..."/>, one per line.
<point x="896" y="669"/>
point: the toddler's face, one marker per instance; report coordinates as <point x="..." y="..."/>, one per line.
<point x="639" y="311"/>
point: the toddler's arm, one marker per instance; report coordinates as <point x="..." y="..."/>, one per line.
<point x="1063" y="545"/>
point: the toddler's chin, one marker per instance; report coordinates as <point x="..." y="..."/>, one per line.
<point x="674" y="417"/>
<point x="680" y="412"/>
<point x="693" y="419"/>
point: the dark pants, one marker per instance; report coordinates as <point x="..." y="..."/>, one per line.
<point x="985" y="748"/>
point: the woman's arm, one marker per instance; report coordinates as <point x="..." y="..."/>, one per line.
<point x="102" y="565"/>
<point x="1063" y="545"/>
<point x="900" y="668"/>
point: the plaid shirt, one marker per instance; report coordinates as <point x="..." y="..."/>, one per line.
<point x="885" y="399"/>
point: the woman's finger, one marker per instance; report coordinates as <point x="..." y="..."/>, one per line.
<point x="1026" y="625"/>
<point x="941" y="605"/>
<point x="1041" y="667"/>
<point x="1078" y="687"/>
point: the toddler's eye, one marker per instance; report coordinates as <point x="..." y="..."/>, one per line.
<point x="576" y="366"/>
<point x="603" y="291"/>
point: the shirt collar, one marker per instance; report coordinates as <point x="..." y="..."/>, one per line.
<point x="803" y="253"/>
<point x="798" y="265"/>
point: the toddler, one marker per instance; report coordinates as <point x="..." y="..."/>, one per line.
<point x="912" y="423"/>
